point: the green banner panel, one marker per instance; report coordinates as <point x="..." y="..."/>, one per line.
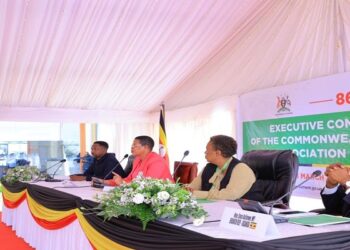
<point x="316" y="139"/>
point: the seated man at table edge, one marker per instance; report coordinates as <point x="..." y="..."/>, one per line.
<point x="336" y="194"/>
<point x="103" y="162"/>
<point x="149" y="163"/>
<point x="224" y="177"/>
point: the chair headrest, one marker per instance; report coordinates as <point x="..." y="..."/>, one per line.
<point x="271" y="164"/>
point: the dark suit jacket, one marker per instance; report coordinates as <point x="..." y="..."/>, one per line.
<point x="337" y="203"/>
<point x="100" y="168"/>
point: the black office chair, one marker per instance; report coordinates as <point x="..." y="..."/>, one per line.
<point x="276" y="172"/>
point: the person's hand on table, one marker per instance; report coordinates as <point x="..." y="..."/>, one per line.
<point x="189" y="189"/>
<point x="97" y="180"/>
<point x="117" y="178"/>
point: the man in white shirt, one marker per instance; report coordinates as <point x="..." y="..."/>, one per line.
<point x="336" y="193"/>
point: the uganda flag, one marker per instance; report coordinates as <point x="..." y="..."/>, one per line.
<point x="163" y="148"/>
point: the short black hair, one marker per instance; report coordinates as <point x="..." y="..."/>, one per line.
<point x="226" y="144"/>
<point x="145" y="141"/>
<point x="102" y="144"/>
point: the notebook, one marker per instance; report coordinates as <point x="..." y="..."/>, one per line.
<point x="319" y="220"/>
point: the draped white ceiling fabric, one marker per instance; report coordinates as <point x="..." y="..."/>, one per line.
<point x="122" y="58"/>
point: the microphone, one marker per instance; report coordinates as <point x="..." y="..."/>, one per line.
<point x="61" y="161"/>
<point x="52" y="179"/>
<point x="186" y="153"/>
<point x="313" y="175"/>
<point x="100" y="185"/>
<point x="125" y="156"/>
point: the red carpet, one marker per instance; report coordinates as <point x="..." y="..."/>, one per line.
<point x="9" y="240"/>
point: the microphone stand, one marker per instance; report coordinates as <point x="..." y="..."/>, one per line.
<point x="101" y="185"/>
<point x="178" y="165"/>
<point x="47" y="176"/>
<point x="314" y="174"/>
<point x="52" y="179"/>
<point x="53" y="176"/>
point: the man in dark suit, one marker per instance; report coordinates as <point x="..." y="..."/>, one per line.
<point x="336" y="193"/>
<point x="103" y="163"/>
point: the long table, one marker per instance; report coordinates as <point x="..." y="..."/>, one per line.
<point x="51" y="216"/>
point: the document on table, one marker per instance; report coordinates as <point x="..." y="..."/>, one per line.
<point x="204" y="201"/>
<point x="319" y="220"/>
<point x="296" y="214"/>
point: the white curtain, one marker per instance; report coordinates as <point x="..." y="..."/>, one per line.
<point x="120" y="135"/>
<point x="187" y="129"/>
<point x="191" y="128"/>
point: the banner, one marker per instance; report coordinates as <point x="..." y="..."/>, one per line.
<point x="315" y="139"/>
<point x="163" y="147"/>
<point x="312" y="118"/>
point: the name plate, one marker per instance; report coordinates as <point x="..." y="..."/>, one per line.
<point x="250" y="223"/>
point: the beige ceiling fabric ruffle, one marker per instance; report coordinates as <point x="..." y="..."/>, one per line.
<point x="112" y="60"/>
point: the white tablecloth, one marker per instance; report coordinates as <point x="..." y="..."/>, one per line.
<point x="70" y="237"/>
<point x="215" y="210"/>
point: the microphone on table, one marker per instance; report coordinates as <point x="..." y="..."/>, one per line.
<point x="118" y="164"/>
<point x="313" y="175"/>
<point x="52" y="178"/>
<point x="100" y="185"/>
<point x="186" y="153"/>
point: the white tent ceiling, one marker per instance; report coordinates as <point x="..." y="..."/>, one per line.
<point x="129" y="56"/>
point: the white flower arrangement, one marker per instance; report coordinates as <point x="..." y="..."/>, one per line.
<point x="21" y="173"/>
<point x="149" y="199"/>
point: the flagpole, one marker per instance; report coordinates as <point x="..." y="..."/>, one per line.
<point x="163" y="145"/>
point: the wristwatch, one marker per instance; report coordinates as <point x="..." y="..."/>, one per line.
<point x="347" y="186"/>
